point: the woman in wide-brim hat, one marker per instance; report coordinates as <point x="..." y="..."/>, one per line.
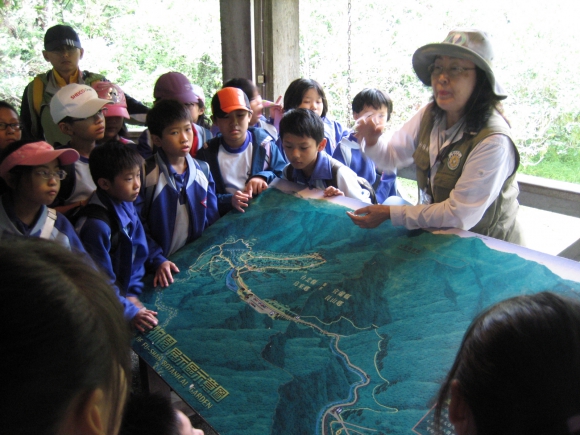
<point x="460" y="144"/>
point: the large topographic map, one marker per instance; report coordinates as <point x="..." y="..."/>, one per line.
<point x="289" y="319"/>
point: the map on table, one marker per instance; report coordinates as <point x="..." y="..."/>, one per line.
<point x="289" y="319"/>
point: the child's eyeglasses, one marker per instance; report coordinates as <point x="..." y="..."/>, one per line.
<point x="14" y="126"/>
<point x="100" y="114"/>
<point x="47" y="175"/>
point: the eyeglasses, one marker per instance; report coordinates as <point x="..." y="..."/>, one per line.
<point x="64" y="49"/>
<point x="452" y="72"/>
<point x="100" y="114"/>
<point x="47" y="175"/>
<point x="14" y="126"/>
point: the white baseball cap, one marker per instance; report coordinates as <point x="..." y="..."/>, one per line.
<point x="76" y="101"/>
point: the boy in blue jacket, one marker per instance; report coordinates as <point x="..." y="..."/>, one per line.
<point x="177" y="200"/>
<point x="377" y="105"/>
<point x="243" y="161"/>
<point x="116" y="239"/>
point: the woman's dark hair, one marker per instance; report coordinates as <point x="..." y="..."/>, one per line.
<point x="246" y="85"/>
<point x="110" y="159"/>
<point x="374" y="98"/>
<point x="295" y="93"/>
<point x="64" y="336"/>
<point x="479" y="106"/>
<point x="149" y="414"/>
<point x="518" y="367"/>
<point x="7" y="105"/>
<point x="302" y="123"/>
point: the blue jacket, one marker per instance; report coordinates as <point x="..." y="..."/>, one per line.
<point x="267" y="162"/>
<point x="348" y="152"/>
<point x="333" y="132"/>
<point x="124" y="263"/>
<point x="62" y="231"/>
<point x="158" y="199"/>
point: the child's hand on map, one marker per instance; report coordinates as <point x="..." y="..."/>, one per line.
<point x="163" y="275"/>
<point x="256" y="185"/>
<point x="371" y="216"/>
<point x="333" y="191"/>
<point x="144" y="320"/>
<point x="241" y="199"/>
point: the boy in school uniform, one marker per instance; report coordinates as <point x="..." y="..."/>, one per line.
<point x="62" y="48"/>
<point x="375" y="104"/>
<point x="79" y="113"/>
<point x="303" y="141"/>
<point x="115" y="238"/>
<point x="243" y="161"/>
<point x="177" y="200"/>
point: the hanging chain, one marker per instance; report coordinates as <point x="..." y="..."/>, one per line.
<point x="348" y="73"/>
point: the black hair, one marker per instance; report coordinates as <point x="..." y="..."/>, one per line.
<point x="303" y="123"/>
<point x="149" y="414"/>
<point x="518" y="366"/>
<point x="110" y="159"/>
<point x="64" y="337"/>
<point x="244" y="84"/>
<point x="203" y="120"/>
<point x="7" y="105"/>
<point x="17" y="172"/>
<point x="479" y="106"/>
<point x="216" y="108"/>
<point x="374" y="98"/>
<point x="165" y="113"/>
<point x="296" y="90"/>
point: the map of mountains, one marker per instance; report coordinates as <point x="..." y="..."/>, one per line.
<point x="289" y="319"/>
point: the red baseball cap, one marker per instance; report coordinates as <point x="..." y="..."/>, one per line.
<point x="37" y="153"/>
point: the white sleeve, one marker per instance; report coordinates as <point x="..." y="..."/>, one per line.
<point x="487" y="167"/>
<point x="395" y="150"/>
<point x="346" y="181"/>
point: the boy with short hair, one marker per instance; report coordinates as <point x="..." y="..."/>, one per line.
<point x="376" y="104"/>
<point x="115" y="237"/>
<point x="62" y="48"/>
<point x="177" y="201"/>
<point x="303" y="141"/>
<point x="175" y="86"/>
<point x="243" y="161"/>
<point x="78" y="112"/>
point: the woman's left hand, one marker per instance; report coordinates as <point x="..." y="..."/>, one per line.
<point x="371" y="216"/>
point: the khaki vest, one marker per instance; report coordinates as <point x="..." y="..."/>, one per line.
<point x="499" y="220"/>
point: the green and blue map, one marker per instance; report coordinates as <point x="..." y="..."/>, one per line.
<point x="289" y="319"/>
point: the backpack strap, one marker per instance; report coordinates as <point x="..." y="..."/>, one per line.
<point x="288" y="172"/>
<point x="48" y="224"/>
<point x="37" y="94"/>
<point x="362" y="182"/>
<point x="97" y="211"/>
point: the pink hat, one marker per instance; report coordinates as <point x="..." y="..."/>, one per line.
<point x="37" y="153"/>
<point x="198" y="91"/>
<point x="113" y="93"/>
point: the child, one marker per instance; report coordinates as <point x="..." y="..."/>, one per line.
<point x="175" y="86"/>
<point x="202" y="119"/>
<point x="115" y="114"/>
<point x="378" y="105"/>
<point x="79" y="113"/>
<point x="243" y="161"/>
<point x="65" y="352"/>
<point x="517" y="370"/>
<point x="302" y="135"/>
<point x="62" y="48"/>
<point x="117" y="241"/>
<point x="177" y="200"/>
<point x="308" y="94"/>
<point x="153" y="414"/>
<point x="33" y="172"/>
<point x="10" y="125"/>
<point x="251" y="91"/>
